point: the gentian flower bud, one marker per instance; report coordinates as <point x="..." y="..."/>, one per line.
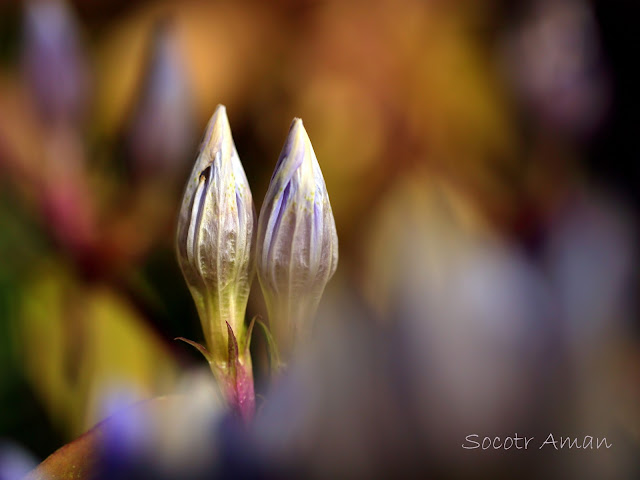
<point x="161" y="128"/>
<point x="297" y="250"/>
<point x="215" y="237"/>
<point x="54" y="62"/>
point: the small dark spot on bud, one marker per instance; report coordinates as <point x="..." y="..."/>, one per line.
<point x="205" y="174"/>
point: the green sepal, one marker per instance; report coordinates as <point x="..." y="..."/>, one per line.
<point x="232" y="361"/>
<point x="274" y="356"/>
<point x="249" y="334"/>
<point x="201" y="348"/>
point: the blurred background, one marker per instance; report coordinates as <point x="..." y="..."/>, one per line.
<point x="482" y="164"/>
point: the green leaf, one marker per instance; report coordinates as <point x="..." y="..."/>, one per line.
<point x="201" y="348"/>
<point x="274" y="355"/>
<point x="249" y="334"/>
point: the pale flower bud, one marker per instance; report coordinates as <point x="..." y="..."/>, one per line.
<point x="161" y="130"/>
<point x="297" y="249"/>
<point x="215" y="236"/>
<point x="54" y="61"/>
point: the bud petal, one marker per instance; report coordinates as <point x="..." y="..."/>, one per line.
<point x="215" y="237"/>
<point x="297" y="250"/>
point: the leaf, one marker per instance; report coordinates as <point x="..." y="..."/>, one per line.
<point x="201" y="348"/>
<point x="76" y="460"/>
<point x="77" y="343"/>
<point x="249" y="334"/>
<point x="274" y="355"/>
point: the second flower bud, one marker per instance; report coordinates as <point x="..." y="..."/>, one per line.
<point x="297" y="249"/>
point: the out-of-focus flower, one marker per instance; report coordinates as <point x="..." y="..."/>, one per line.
<point x="471" y="311"/>
<point x="555" y="58"/>
<point x="297" y="251"/>
<point x="173" y="436"/>
<point x="15" y="462"/>
<point x="167" y="437"/>
<point x="421" y="204"/>
<point x="589" y="257"/>
<point x="161" y="132"/>
<point x="53" y="62"/>
<point x="337" y="414"/>
<point x="475" y="332"/>
<point x="214" y="249"/>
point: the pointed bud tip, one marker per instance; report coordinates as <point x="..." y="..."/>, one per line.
<point x="298" y="141"/>
<point x="218" y="130"/>
<point x="297" y="130"/>
<point x="220" y="118"/>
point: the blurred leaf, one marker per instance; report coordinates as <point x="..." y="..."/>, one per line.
<point x="81" y="342"/>
<point x="76" y="460"/>
<point x="21" y="145"/>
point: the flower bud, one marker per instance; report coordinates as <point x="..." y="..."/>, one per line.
<point x="297" y="250"/>
<point x="54" y="62"/>
<point x="161" y="129"/>
<point x="215" y="237"/>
